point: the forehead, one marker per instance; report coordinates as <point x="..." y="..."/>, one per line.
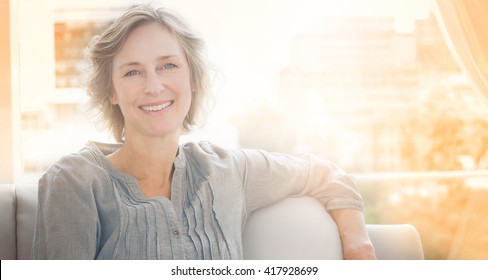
<point x="148" y="40"/>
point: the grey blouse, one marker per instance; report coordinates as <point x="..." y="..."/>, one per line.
<point x="89" y="210"/>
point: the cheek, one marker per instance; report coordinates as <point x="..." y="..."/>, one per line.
<point x="187" y="87"/>
<point x="114" y="88"/>
<point x="121" y="93"/>
<point x="113" y="98"/>
<point x="188" y="96"/>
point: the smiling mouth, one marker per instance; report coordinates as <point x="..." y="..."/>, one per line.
<point x="155" y="108"/>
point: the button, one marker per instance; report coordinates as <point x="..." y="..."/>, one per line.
<point x="176" y="232"/>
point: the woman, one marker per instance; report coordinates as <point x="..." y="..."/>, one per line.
<point x="148" y="197"/>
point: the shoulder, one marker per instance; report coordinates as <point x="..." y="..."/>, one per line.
<point x="83" y="168"/>
<point x="210" y="156"/>
<point x="204" y="148"/>
<point x="207" y="152"/>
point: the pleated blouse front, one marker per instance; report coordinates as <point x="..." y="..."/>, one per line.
<point x="90" y="210"/>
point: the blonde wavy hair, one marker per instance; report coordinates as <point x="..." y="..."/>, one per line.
<point x="102" y="49"/>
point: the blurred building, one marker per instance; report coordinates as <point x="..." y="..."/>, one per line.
<point x="350" y="83"/>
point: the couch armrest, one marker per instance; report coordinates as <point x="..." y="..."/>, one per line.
<point x="26" y="219"/>
<point x="396" y="242"/>
<point x="300" y="228"/>
<point x="294" y="228"/>
<point x="8" y="249"/>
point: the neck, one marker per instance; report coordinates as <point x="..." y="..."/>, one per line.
<point x="149" y="160"/>
<point x="145" y="155"/>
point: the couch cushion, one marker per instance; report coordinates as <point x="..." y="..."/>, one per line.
<point x="26" y="217"/>
<point x="7" y="222"/>
<point x="295" y="228"/>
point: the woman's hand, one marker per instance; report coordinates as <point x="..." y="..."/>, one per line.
<point x="356" y="244"/>
<point x="358" y="249"/>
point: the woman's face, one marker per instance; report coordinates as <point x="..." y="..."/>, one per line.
<point x="151" y="83"/>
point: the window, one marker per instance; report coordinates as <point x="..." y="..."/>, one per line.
<point x="373" y="88"/>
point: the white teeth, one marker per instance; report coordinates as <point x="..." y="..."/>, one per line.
<point x="156" y="107"/>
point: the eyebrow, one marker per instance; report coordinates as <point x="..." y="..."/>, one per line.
<point x="134" y="63"/>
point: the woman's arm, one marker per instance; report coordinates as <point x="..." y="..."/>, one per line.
<point x="270" y="177"/>
<point x="67" y="225"/>
<point x="356" y="244"/>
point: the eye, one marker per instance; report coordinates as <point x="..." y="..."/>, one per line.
<point x="132" y="73"/>
<point x="168" y="66"/>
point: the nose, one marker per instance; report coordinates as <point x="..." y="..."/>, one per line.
<point x="154" y="84"/>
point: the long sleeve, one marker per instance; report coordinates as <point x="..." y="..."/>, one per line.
<point x="67" y="225"/>
<point x="269" y="177"/>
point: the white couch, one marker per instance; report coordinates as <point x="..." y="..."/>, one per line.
<point x="295" y="228"/>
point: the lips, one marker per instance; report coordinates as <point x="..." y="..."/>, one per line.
<point x="156" y="107"/>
